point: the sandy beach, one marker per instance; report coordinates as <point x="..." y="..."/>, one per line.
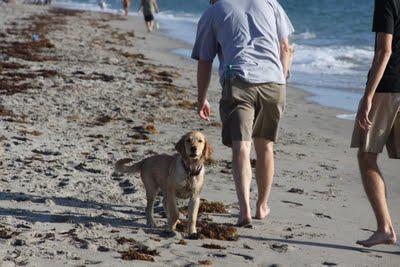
<point x="80" y="90"/>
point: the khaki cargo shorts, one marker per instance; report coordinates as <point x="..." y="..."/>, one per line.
<point x="251" y="110"/>
<point x="385" y="129"/>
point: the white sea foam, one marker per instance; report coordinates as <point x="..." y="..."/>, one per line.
<point x="331" y="60"/>
<point x="184" y="17"/>
<point x="92" y="5"/>
<point x="350" y="117"/>
<point x="304" y="36"/>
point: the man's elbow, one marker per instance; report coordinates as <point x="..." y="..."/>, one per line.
<point x="384" y="53"/>
<point x="285" y="47"/>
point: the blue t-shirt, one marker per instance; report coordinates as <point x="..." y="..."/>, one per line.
<point x="246" y="35"/>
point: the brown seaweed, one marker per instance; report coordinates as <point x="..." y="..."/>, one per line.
<point x="212" y="246"/>
<point x="209" y="207"/>
<point x="211" y="230"/>
<point x="122" y="240"/>
<point x="205" y="262"/>
<point x="133" y="254"/>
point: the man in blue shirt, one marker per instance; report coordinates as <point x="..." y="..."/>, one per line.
<point x="251" y="41"/>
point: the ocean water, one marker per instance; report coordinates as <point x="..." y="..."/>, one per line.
<point x="333" y="41"/>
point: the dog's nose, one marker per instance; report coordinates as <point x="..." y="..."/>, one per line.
<point x="193" y="149"/>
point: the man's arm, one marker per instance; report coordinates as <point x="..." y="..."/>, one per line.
<point x="381" y="58"/>
<point x="285" y="56"/>
<point x="203" y="81"/>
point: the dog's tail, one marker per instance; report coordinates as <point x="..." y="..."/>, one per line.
<point x="121" y="167"/>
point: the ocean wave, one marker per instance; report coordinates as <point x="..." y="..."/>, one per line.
<point x="332" y="60"/>
<point x="350" y="117"/>
<point x="185" y="17"/>
<point x="92" y="5"/>
<point x="116" y="7"/>
<point x="304" y="36"/>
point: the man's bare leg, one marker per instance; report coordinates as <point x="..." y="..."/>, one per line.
<point x="242" y="176"/>
<point x="374" y="186"/>
<point x="265" y="168"/>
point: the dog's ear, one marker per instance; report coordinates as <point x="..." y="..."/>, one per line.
<point x="207" y="151"/>
<point x="180" y="146"/>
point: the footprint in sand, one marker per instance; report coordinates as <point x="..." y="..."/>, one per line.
<point x="321" y="215"/>
<point x="297" y="204"/>
<point x="281" y="248"/>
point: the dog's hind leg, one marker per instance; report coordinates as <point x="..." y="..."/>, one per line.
<point x="151" y="197"/>
<point x="165" y="206"/>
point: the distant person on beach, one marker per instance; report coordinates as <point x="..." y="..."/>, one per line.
<point x="251" y="41"/>
<point x="126" y="4"/>
<point x="149" y="6"/>
<point x="103" y="4"/>
<point x="378" y="121"/>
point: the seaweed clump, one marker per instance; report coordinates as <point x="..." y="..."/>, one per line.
<point x="139" y="253"/>
<point x="210" y="230"/>
<point x="208" y="207"/>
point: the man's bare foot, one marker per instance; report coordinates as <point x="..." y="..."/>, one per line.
<point x="378" y="238"/>
<point x="262" y="211"/>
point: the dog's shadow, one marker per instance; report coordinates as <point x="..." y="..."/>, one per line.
<point x="70" y="217"/>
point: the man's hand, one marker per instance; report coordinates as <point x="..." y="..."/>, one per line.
<point x="204" y="110"/>
<point x="381" y="58"/>
<point x="203" y="81"/>
<point x="363" y="112"/>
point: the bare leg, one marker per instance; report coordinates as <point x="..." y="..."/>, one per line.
<point x="151" y="25"/>
<point x="242" y="176"/>
<point x="374" y="186"/>
<point x="265" y="168"/>
<point x="193" y="210"/>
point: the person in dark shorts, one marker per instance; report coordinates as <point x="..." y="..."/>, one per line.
<point x="149" y="6"/>
<point x="378" y="121"/>
<point x="251" y="39"/>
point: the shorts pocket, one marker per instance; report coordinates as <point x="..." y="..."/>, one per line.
<point x="227" y="95"/>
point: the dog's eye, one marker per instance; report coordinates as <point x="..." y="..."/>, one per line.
<point x="200" y="141"/>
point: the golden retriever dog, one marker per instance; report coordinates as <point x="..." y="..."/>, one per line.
<point x="178" y="176"/>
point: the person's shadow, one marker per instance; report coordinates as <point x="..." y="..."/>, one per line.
<point x="319" y="244"/>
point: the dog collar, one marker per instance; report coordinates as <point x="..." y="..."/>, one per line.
<point x="191" y="173"/>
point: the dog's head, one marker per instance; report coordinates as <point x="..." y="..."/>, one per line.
<point x="194" y="145"/>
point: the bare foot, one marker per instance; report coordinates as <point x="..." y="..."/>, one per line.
<point x="378" y="238"/>
<point x="262" y="211"/>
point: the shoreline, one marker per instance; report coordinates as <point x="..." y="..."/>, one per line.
<point x="323" y="97"/>
<point x="115" y="91"/>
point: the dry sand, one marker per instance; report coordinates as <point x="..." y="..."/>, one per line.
<point x="97" y="87"/>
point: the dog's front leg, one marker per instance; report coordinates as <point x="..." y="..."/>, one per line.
<point x="194" y="204"/>
<point x="172" y="210"/>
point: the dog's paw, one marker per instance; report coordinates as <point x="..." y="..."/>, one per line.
<point x="170" y="234"/>
<point x="194" y="236"/>
<point x="192" y="232"/>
